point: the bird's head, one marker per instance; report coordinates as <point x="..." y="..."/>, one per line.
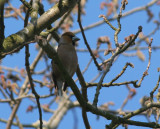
<point x="69" y="37"/>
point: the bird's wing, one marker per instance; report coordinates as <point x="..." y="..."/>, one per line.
<point x="54" y="79"/>
<point x="65" y="86"/>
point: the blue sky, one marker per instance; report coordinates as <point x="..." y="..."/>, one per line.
<point x="116" y="94"/>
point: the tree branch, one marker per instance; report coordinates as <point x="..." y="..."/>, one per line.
<point x="2" y="22"/>
<point x="13" y="41"/>
<point x="84" y="37"/>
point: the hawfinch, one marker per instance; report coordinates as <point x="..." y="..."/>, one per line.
<point x="67" y="54"/>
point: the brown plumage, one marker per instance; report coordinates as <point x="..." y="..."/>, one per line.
<point x="67" y="54"/>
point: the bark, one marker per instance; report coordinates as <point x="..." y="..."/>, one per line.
<point x="17" y="40"/>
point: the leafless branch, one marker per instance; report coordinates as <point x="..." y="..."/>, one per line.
<point x="84" y="37"/>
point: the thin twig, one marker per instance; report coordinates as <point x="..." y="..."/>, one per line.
<point x="85" y="69"/>
<point x="131" y="93"/>
<point x="107" y="21"/>
<point x="26" y="96"/>
<point x="53" y="30"/>
<point x="129" y="49"/>
<point x="32" y="85"/>
<point x="3" y="93"/>
<point x="96" y="77"/>
<point x="84" y="93"/>
<point x="128" y="13"/>
<point x="34" y="21"/>
<point x="136" y="112"/>
<point x="26" y="4"/>
<point x="15" y="108"/>
<point x="22" y="90"/>
<point x="111" y="60"/>
<point x="144" y="38"/>
<point x="117" y="31"/>
<point x="9" y="69"/>
<point x="149" y="62"/>
<point x="15" y="10"/>
<point x="84" y="37"/>
<point x="10" y="120"/>
<point x="123" y="70"/>
<point x="2" y="36"/>
<point x="113" y="84"/>
<point x="155" y="88"/>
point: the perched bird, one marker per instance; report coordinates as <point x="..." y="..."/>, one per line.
<point x="67" y="54"/>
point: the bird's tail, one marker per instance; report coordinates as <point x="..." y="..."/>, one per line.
<point x="59" y="86"/>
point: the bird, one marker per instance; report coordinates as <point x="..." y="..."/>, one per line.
<point x="68" y="57"/>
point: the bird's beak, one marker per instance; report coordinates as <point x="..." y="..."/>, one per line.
<point x="75" y="38"/>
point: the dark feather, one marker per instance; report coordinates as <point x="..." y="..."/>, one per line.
<point x="73" y="43"/>
<point x="54" y="80"/>
<point x="65" y="86"/>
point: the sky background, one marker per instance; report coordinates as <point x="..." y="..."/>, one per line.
<point x="116" y="94"/>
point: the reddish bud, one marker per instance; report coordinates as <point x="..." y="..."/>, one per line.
<point x="30" y="108"/>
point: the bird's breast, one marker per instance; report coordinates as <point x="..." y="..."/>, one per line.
<point x="68" y="57"/>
